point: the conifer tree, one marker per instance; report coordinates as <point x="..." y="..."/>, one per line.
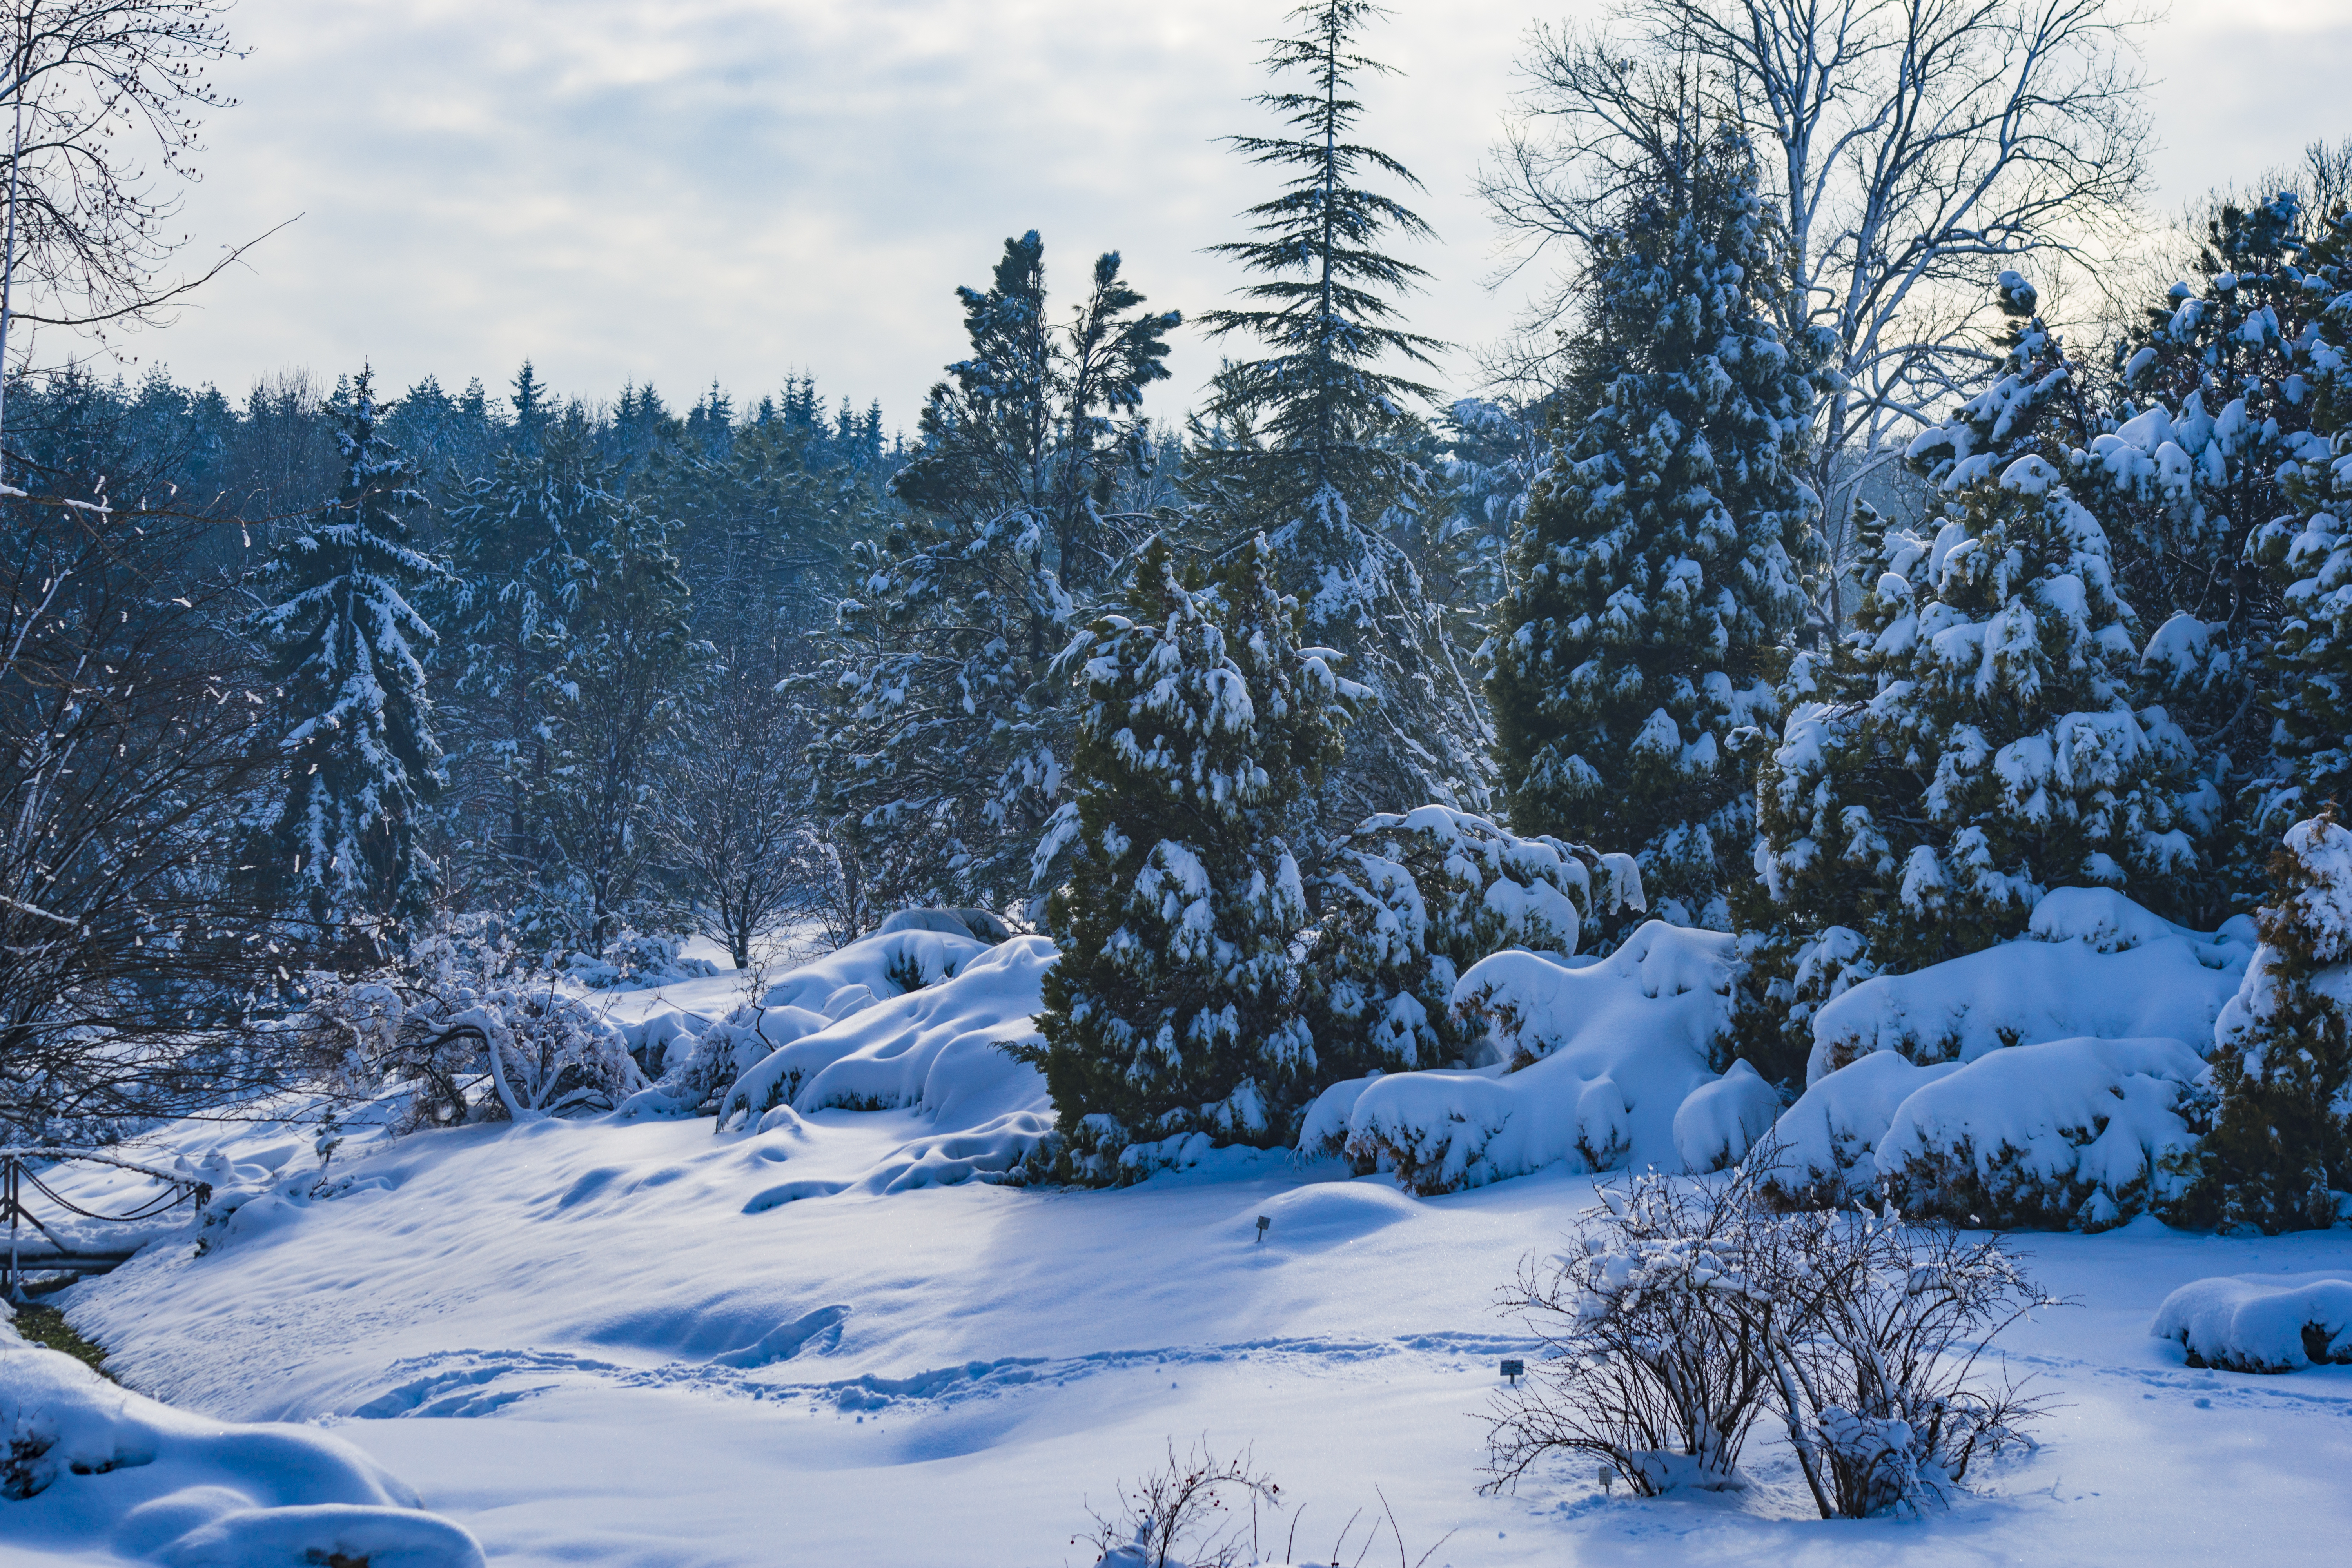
<point x="1656" y="573"/>
<point x="1177" y="1007"/>
<point x="361" y="765"/>
<point x="2279" y="1140"/>
<point x="518" y="539"/>
<point x="1972" y="742"/>
<point x="946" y="747"/>
<point x="1313" y="441"/>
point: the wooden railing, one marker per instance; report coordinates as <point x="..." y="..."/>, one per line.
<point x="18" y="1171"/>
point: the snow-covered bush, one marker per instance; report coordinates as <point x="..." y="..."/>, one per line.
<point x="1411" y="900"/>
<point x="1599" y="1059"/>
<point x="470" y="1033"/>
<point x="637" y="962"/>
<point x="2260" y="1323"/>
<point x="2279" y="1143"/>
<point x="1178" y="1006"/>
<point x="2081" y="1134"/>
<point x="1823" y="1151"/>
<point x="1686" y="1312"/>
<point x="2091" y="962"/>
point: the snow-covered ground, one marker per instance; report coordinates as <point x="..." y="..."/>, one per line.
<point x="825" y="1335"/>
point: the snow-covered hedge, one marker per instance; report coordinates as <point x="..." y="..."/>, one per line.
<point x="1601" y="1059"/>
<point x="2093" y="963"/>
<point x="2082" y="1134"/>
<point x="1824" y="1151"/>
<point x="884" y="965"/>
<point x="89" y="1466"/>
<point x="2259" y="1322"/>
<point x="637" y="962"/>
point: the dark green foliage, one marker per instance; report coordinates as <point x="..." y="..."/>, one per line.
<point x="1177" y="1007"/>
<point x="1656" y="578"/>
<point x="2279" y="1138"/>
<point x="359" y="763"/>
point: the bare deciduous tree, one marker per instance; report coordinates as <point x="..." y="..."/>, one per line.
<point x="1920" y="145"/>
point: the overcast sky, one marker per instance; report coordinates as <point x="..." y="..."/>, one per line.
<point x="676" y="191"/>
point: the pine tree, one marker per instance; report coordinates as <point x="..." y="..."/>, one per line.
<point x="2306" y="556"/>
<point x="1312" y="443"/>
<point x="2279" y="1138"/>
<point x="946" y="748"/>
<point x="360" y="764"/>
<point x="1972" y="743"/>
<point x="1656" y="573"/>
<point x="1177" y="1008"/>
<point x="518" y="539"/>
<point x="2212" y="406"/>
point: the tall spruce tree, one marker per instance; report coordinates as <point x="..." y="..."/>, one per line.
<point x="945" y="748"/>
<point x="361" y="765"/>
<point x="1656" y="576"/>
<point x="1178" y="1007"/>
<point x="1312" y="442"/>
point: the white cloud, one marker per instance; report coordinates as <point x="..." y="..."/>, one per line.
<point x="683" y="190"/>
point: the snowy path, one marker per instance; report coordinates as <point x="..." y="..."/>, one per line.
<point x="576" y="1341"/>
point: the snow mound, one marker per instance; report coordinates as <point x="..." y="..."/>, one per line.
<point x="1599" y="1059"/>
<point x="1325" y="1214"/>
<point x="887" y="964"/>
<point x="939" y="1050"/>
<point x="1718" y="1122"/>
<point x="2080" y="1133"/>
<point x="1823" y="1149"/>
<point x="2095" y="963"/>
<point x="2260" y="1323"/>
<point x="88" y="1463"/>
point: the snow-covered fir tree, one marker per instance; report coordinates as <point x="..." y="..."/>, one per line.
<point x="1972" y="742"/>
<point x="2306" y="554"/>
<point x="1655" y="577"/>
<point x="516" y="541"/>
<point x="946" y="747"/>
<point x="1314" y="443"/>
<point x="345" y="842"/>
<point x="2278" y="1141"/>
<point x="1178" y="1006"/>
<point x="2213" y="409"/>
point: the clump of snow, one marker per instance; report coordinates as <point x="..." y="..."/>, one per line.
<point x="2094" y="963"/>
<point x="977" y="923"/>
<point x="2259" y="1322"/>
<point x="2080" y="1133"/>
<point x="89" y="1466"/>
<point x="1601" y="1057"/>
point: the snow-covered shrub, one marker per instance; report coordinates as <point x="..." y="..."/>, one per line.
<point x="470" y="1033"/>
<point x="1198" y="1511"/>
<point x="2091" y="962"/>
<point x="1410" y="900"/>
<point x="1686" y="1312"/>
<point x="2081" y="1134"/>
<point x="1718" y="1122"/>
<point x="885" y="964"/>
<point x="1656" y="574"/>
<point x="1177" y="1005"/>
<point x="2279" y="1143"/>
<point x="1823" y="1151"/>
<point x="1599" y="1059"/>
<point x="637" y="962"/>
<point x="2260" y="1323"/>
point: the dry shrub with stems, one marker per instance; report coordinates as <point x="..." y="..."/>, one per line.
<point x="1188" y="1514"/>
<point x="1687" y="1310"/>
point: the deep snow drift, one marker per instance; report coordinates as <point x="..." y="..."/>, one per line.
<point x="831" y="1331"/>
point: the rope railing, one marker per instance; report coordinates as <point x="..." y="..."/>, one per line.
<point x="16" y="1172"/>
